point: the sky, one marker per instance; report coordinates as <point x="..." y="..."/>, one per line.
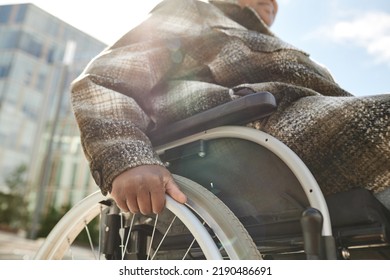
<point x="350" y="37"/>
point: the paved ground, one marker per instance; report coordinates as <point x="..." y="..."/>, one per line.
<point x="15" y="247"/>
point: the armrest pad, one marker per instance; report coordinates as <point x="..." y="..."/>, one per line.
<point x="237" y="112"/>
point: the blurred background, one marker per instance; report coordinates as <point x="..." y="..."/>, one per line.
<point x="45" y="44"/>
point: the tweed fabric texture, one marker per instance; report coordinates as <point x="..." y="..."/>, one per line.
<point x="189" y="56"/>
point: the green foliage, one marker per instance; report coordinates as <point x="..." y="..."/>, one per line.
<point x="54" y="215"/>
<point x="93" y="228"/>
<point x="15" y="181"/>
<point x="14" y="214"/>
<point x="13" y="206"/>
<point x="51" y="219"/>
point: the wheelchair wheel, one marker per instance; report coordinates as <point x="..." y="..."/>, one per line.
<point x="202" y="229"/>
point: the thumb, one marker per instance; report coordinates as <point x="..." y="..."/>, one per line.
<point x="173" y="190"/>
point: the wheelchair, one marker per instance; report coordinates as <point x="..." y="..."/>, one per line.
<point x="249" y="197"/>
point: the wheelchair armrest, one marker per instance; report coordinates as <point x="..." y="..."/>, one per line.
<point x="237" y="112"/>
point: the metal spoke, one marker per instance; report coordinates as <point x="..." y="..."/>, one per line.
<point x="188" y="250"/>
<point x="100" y="233"/>
<point x="128" y="237"/>
<point x="152" y="238"/>
<point x="192" y="244"/>
<point x="121" y="234"/>
<point x="163" y="238"/>
<point x="90" y="240"/>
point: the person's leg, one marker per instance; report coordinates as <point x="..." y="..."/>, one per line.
<point x="345" y="141"/>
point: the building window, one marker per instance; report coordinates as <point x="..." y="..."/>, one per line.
<point x="21" y="13"/>
<point x="31" y="45"/>
<point x="4" y="71"/>
<point x="28" y="77"/>
<point x="12" y="94"/>
<point x="5" y="65"/>
<point x="41" y="83"/>
<point x="51" y="55"/>
<point x="9" y="39"/>
<point x="5" y="12"/>
<point x="32" y="105"/>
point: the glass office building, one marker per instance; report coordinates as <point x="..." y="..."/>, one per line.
<point x="34" y="98"/>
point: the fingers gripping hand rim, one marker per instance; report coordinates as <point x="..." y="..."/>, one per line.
<point x="142" y="189"/>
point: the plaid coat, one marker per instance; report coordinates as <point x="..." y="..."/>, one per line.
<point x="189" y="56"/>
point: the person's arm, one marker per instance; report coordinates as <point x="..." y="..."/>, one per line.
<point x="121" y="157"/>
<point x="110" y="102"/>
<point x="143" y="80"/>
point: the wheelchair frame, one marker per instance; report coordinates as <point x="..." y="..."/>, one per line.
<point x="224" y="122"/>
<point x="296" y="165"/>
